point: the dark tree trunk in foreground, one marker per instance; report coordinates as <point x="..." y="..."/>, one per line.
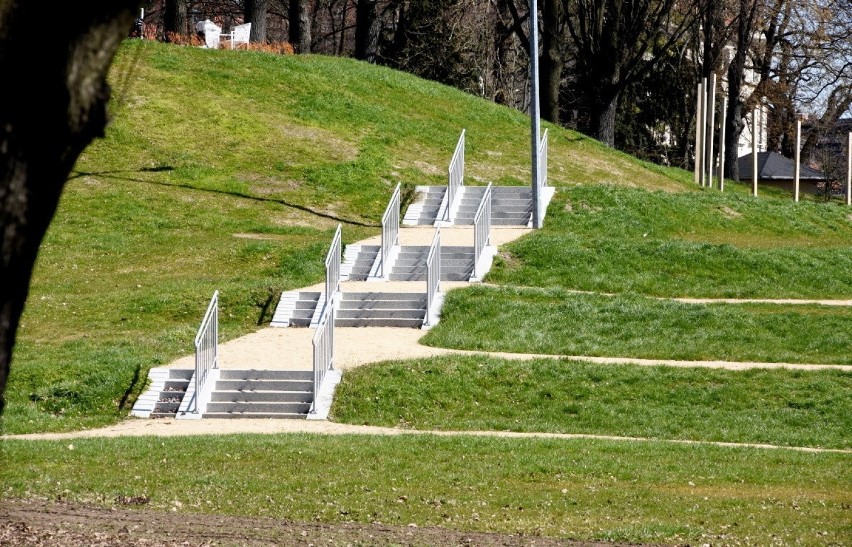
<point x="41" y="142"/>
<point x="551" y="60"/>
<point x="366" y="31"/>
<point x="300" y="25"/>
<point x="255" y="13"/>
<point x="736" y="74"/>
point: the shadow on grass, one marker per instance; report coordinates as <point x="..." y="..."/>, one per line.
<point x="119" y="175"/>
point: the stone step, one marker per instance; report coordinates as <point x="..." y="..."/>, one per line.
<point x="384" y="304"/>
<point x="264" y="385"/>
<point x="383" y="322"/>
<point x="378" y="314"/>
<point x="421" y="276"/>
<point x="256" y="415"/>
<point x="226" y="396"/>
<point x="375" y="296"/>
<point x="260" y="374"/>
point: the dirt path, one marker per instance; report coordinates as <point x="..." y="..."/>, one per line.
<point x="56" y="523"/>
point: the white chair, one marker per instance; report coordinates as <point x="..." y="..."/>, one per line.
<point x="240" y="35"/>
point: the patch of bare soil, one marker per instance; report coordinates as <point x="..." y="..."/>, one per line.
<point x="49" y="523"/>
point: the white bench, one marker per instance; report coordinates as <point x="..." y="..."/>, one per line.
<point x="240" y="35"/>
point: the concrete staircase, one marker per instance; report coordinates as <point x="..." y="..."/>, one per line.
<point x="261" y="394"/>
<point x="410" y="264"/>
<point x="171" y="393"/>
<point x="381" y="309"/>
<point x="367" y="309"/>
<point x="359" y="261"/>
<point x="425" y="211"/>
<point x="510" y="206"/>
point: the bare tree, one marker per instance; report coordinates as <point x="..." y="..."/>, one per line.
<point x="366" y="30"/>
<point x="175" y="20"/>
<point x="300" y="25"/>
<point x="617" y="43"/>
<point x="41" y="141"/>
<point x="255" y="13"/>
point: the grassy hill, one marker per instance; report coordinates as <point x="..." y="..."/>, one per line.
<point x="229" y="171"/>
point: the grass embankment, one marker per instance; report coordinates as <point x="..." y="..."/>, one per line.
<point x="560" y="322"/>
<point x="707" y="244"/>
<point x="476" y="393"/>
<point x="230" y="170"/>
<point x="583" y="489"/>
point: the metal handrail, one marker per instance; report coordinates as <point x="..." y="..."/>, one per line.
<point x="332" y="266"/>
<point x="433" y="274"/>
<point x="323" y="345"/>
<point x="390" y="229"/>
<point x="481" y="229"/>
<point x="455" y="175"/>
<point x="542" y="160"/>
<point x="206" y="349"/>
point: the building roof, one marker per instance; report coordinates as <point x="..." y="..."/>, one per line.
<point x="774" y="166"/>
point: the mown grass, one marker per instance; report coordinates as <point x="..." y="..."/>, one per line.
<point x="479" y="393"/>
<point x="560" y="322"/>
<point x="612" y="239"/>
<point x="579" y="489"/>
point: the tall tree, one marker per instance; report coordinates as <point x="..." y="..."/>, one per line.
<point x="300" y="25"/>
<point x="366" y="30"/>
<point x="616" y="43"/>
<point x="40" y="141"/>
<point x="175" y="17"/>
<point x="255" y="13"/>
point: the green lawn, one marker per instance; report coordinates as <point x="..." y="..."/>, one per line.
<point x="611" y="239"/>
<point x="581" y="489"/>
<point x="475" y="393"/>
<point x="560" y="322"/>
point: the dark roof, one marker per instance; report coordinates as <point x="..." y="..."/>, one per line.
<point x="774" y="166"/>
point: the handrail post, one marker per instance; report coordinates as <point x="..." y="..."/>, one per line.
<point x="455" y="175"/>
<point x="481" y="229"/>
<point x="332" y="266"/>
<point x="206" y="342"/>
<point x="433" y="275"/>
<point x="390" y="229"/>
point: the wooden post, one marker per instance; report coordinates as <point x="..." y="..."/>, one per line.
<point x="722" y="144"/>
<point x="754" y="152"/>
<point x="698" y="133"/>
<point x="797" y="167"/>
<point x="711" y="118"/>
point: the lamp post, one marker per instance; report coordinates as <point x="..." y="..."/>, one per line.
<point x="534" y="113"/>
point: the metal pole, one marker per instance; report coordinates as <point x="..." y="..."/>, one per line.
<point x="711" y="114"/>
<point x="698" y="134"/>
<point x="849" y="171"/>
<point x="722" y="143"/>
<point x="703" y="131"/>
<point x="754" y="152"/>
<point x="797" y="166"/>
<point x="534" y="111"/>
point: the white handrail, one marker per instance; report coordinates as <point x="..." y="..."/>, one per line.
<point x="433" y="275"/>
<point x="332" y="266"/>
<point x="455" y="175"/>
<point x="542" y="161"/>
<point x="323" y="345"/>
<point x="390" y="229"/>
<point x="206" y="350"/>
<point x="481" y="229"/>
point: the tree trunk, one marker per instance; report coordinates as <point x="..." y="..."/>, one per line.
<point x="366" y="31"/>
<point x="41" y="141"/>
<point x="174" y="17"/>
<point x="604" y="106"/>
<point x="300" y="25"/>
<point x="255" y="13"/>
<point x="551" y="61"/>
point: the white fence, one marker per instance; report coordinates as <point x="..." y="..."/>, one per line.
<point x="433" y="275"/>
<point x="323" y="343"/>
<point x="206" y="351"/>
<point x="390" y="229"/>
<point x="481" y="229"/>
<point x="456" y="176"/>
<point x="332" y="266"/>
